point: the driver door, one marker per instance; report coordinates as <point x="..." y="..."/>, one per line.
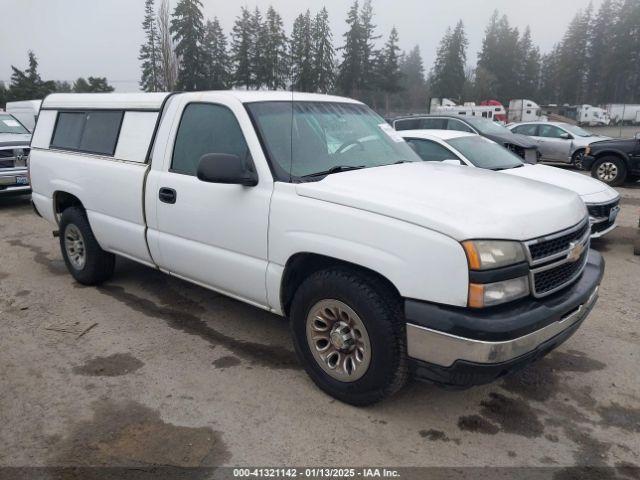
<point x="553" y="146"/>
<point x="212" y="234"/>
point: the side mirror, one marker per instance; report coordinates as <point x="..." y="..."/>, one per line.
<point x="225" y="168"/>
<point x="453" y="162"/>
<point x="566" y="136"/>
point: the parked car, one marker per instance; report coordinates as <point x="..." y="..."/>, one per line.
<point x="520" y="145"/>
<point x="312" y="207"/>
<point x="558" y="142"/>
<point x="475" y="151"/>
<point x="614" y="161"/>
<point x="14" y="153"/>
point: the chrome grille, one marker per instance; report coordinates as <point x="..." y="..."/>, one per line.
<point x="553" y="258"/>
<point x="602" y="210"/>
<point x="14" y="157"/>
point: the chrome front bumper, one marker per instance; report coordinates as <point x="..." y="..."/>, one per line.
<point x="443" y="349"/>
<point x="12" y="188"/>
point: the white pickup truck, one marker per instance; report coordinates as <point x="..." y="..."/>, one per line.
<point x="312" y="207"/>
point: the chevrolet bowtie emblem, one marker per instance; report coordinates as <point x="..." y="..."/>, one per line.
<point x="575" y="251"/>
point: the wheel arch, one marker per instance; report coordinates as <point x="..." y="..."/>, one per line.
<point x="303" y="264"/>
<point x="612" y="153"/>
<point x="63" y="200"/>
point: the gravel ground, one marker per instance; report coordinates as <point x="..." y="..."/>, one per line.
<point x="150" y="370"/>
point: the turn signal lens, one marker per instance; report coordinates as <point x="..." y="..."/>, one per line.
<point x="476" y="295"/>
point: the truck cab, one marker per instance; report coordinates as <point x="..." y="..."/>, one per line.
<point x="312" y="207"/>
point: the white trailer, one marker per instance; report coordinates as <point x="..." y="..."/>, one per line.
<point x="469" y="109"/>
<point x="523" y="110"/>
<point x="592" y="116"/>
<point x="623" y="113"/>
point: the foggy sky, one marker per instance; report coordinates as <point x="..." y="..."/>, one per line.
<point x="73" y="38"/>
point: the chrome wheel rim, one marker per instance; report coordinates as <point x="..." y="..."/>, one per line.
<point x="75" y="247"/>
<point x="607" y="171"/>
<point x="338" y="340"/>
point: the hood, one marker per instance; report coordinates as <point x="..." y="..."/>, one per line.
<point x="588" y="188"/>
<point x="461" y="202"/>
<point x="618" y="144"/>
<point x="20" y="139"/>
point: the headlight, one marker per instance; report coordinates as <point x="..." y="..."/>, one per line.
<point x="489" y="254"/>
<point x="587" y="151"/>
<point x="489" y="294"/>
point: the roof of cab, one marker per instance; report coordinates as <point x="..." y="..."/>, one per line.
<point x="153" y="101"/>
<point x="439" y="134"/>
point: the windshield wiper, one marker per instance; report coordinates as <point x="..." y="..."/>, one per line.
<point x="336" y="169"/>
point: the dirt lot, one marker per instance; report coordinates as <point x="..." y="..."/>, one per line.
<point x="149" y="370"/>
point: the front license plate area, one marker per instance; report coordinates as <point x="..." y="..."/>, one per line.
<point x="22" y="181"/>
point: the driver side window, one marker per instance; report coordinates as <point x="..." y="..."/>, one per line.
<point x="459" y="126"/>
<point x="206" y="128"/>
<point x="550" y="131"/>
<point x="431" y="151"/>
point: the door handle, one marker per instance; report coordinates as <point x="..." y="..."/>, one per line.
<point x="167" y="195"/>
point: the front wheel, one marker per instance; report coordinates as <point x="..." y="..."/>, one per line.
<point x="349" y="333"/>
<point x="610" y="170"/>
<point x="577" y="159"/>
<point x="85" y="260"/>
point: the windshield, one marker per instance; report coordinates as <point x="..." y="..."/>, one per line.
<point x="576" y="130"/>
<point x="487" y="127"/>
<point x="8" y="124"/>
<point x="484" y="153"/>
<point x="307" y="138"/>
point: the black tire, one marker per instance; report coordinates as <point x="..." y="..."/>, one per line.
<point x="98" y="265"/>
<point x="576" y="159"/>
<point x="379" y="309"/>
<point x="620" y="176"/>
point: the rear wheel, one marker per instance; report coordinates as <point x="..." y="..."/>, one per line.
<point x="610" y="170"/>
<point x="349" y="333"/>
<point x="85" y="260"/>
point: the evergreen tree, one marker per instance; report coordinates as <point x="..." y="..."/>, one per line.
<point x="3" y="95"/>
<point x="92" y="85"/>
<point x="412" y="81"/>
<point x="63" y="87"/>
<point x="323" y="53"/>
<point x="275" y="66"/>
<point x="528" y="73"/>
<point x="389" y="75"/>
<point x="369" y="53"/>
<point x="217" y="64"/>
<point x="448" y="75"/>
<point x="27" y="84"/>
<point x="549" y="92"/>
<point x="187" y="27"/>
<point x="350" y="73"/>
<point x="241" y="40"/>
<point x="149" y="51"/>
<point x="601" y="43"/>
<point x="500" y="56"/>
<point x="573" y="60"/>
<point x="168" y="60"/>
<point x="626" y="53"/>
<point x="484" y="86"/>
<point x="302" y="71"/>
<point x="257" y="51"/>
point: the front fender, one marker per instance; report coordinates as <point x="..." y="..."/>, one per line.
<point x="420" y="263"/>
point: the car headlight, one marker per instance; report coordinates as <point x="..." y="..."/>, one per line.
<point x="490" y="254"/>
<point x="587" y="151"/>
<point x="489" y="294"/>
<point x="483" y="255"/>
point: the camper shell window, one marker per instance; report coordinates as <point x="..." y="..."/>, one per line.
<point x="90" y="131"/>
